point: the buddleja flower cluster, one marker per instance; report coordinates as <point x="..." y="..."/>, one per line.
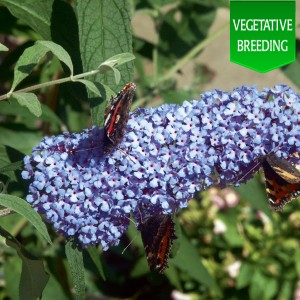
<point x="173" y="151"/>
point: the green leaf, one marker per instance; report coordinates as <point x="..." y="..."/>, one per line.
<point x="26" y="63"/>
<point x="254" y="192"/>
<point x="55" y="289"/>
<point x="95" y="256"/>
<point x="31" y="57"/>
<point x="59" y="52"/>
<point x="9" y="155"/>
<point x="75" y="260"/>
<point x="232" y="235"/>
<point x="8" y="169"/>
<point x="173" y="276"/>
<point x="117" y="75"/>
<point x="116" y="60"/>
<point x="37" y="14"/>
<point x="12" y="274"/>
<point x="286" y="290"/>
<point x="3" y="47"/>
<point x="262" y="287"/>
<point x="177" y="36"/>
<point x="14" y="109"/>
<point x="29" y="100"/>
<point x="50" y="116"/>
<point x="104" y="31"/>
<point x="244" y="279"/>
<point x="11" y="135"/>
<point x="23" y="208"/>
<point x="189" y="261"/>
<point x="98" y="104"/>
<point x="33" y="276"/>
<point x="91" y="86"/>
<point x="297" y="261"/>
<point x="140" y="268"/>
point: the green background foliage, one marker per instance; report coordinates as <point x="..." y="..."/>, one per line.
<point x="255" y="255"/>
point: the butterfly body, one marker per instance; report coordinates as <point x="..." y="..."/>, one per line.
<point x="158" y="235"/>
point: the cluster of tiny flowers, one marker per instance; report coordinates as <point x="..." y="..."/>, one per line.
<point x="172" y="152"/>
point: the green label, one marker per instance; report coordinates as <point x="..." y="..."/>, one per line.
<point x="262" y="34"/>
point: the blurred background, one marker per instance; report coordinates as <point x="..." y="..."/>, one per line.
<point x="230" y="245"/>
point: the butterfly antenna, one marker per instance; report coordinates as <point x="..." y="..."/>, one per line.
<point x="79" y="150"/>
<point x="130" y="157"/>
<point x="133" y="238"/>
<point x="141" y="216"/>
<point x="247" y="173"/>
<point x="130" y="220"/>
<point x="129" y="244"/>
<point x="275" y="149"/>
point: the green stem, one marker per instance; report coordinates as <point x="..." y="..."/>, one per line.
<point x="192" y="53"/>
<point x="49" y="83"/>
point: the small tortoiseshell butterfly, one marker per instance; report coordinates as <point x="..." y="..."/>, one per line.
<point x="282" y="181"/>
<point x="116" y="117"/>
<point x="158" y="235"/>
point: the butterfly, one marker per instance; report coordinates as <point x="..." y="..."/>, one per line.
<point x="282" y="180"/>
<point x="116" y="117"/>
<point x="158" y="235"/>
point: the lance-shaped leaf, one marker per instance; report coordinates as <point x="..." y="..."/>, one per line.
<point x="23" y="208"/>
<point x="32" y="56"/>
<point x="95" y="256"/>
<point x="116" y="60"/>
<point x="33" y="276"/>
<point x="29" y="100"/>
<point x="75" y="260"/>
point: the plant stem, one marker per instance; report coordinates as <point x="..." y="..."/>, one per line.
<point x="49" y="83"/>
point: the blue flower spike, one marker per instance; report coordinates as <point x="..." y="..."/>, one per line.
<point x="178" y="150"/>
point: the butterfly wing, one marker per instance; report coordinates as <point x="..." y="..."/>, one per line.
<point x="284" y="168"/>
<point x="116" y="116"/>
<point x="282" y="181"/>
<point x="158" y="235"/>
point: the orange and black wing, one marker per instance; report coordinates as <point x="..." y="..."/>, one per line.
<point x="282" y="181"/>
<point x="158" y="235"/>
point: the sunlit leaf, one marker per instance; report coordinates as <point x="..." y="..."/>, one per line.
<point x="59" y="52"/>
<point x="104" y="31"/>
<point x="75" y="260"/>
<point x="29" y="100"/>
<point x="23" y="208"/>
<point x="3" y="47"/>
<point x="117" y="60"/>
<point x="90" y="85"/>
<point x="27" y="62"/>
<point x="36" y="15"/>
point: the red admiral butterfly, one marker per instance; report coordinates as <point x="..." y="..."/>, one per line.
<point x="282" y="181"/>
<point x="158" y="235"/>
<point x="116" y="117"/>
